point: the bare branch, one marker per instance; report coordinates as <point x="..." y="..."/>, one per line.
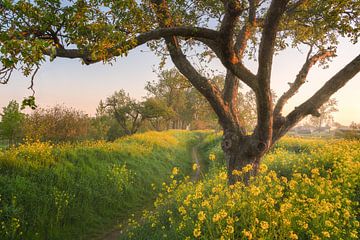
<point x="319" y="98"/>
<point x="5" y="74"/>
<point x="31" y="87"/>
<point x="301" y="78"/>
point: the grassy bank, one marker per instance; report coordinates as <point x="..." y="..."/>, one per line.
<point x="307" y="189"/>
<point x="76" y="191"/>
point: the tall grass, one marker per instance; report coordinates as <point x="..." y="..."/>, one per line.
<point x="78" y="191"/>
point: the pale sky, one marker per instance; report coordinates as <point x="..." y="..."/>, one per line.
<point x="67" y="82"/>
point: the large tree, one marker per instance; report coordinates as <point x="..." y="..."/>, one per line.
<point x="98" y="30"/>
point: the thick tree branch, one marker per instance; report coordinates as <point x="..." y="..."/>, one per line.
<point x="245" y="33"/>
<point x="231" y="81"/>
<point x="229" y="56"/>
<point x="202" y="84"/>
<point x="319" y="98"/>
<point x="195" y="32"/>
<point x="300" y="79"/>
<point x="233" y="9"/>
<point x="266" y="52"/>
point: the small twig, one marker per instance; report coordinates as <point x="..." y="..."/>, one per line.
<point x="31" y="87"/>
<point x="5" y="74"/>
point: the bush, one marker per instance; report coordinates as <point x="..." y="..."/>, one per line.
<point x="57" y="124"/>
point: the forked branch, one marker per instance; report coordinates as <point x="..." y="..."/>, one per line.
<point x="319" y="98"/>
<point x="301" y="78"/>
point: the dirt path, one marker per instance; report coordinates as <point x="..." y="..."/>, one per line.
<point x="195" y="158"/>
<point x="117" y="232"/>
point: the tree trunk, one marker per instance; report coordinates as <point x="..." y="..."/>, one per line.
<point x="241" y="151"/>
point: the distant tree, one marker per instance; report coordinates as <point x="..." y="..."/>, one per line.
<point x="57" y="124"/>
<point x="11" y="123"/>
<point x="125" y="110"/>
<point x="325" y="116"/>
<point x="354" y="125"/>
<point x="172" y="90"/>
<point x="186" y="106"/>
<point x="101" y="123"/>
<point x="157" y="113"/>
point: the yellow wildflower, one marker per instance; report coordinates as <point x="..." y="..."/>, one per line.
<point x="223" y="176"/>
<point x="216" y="217"/>
<point x="230" y="221"/>
<point x="254" y="190"/>
<point x="328" y="223"/>
<point x="315" y="171"/>
<point x="175" y="171"/>
<point x="326" y="234"/>
<point x="195" y="166"/>
<point x="236" y="172"/>
<point x="182" y="210"/>
<point x="263" y="168"/>
<point x="206" y="204"/>
<point x="247" y="234"/>
<point x="293" y="236"/>
<point x="197" y="231"/>
<point x="264" y="225"/>
<point x="247" y="168"/>
<point x="201" y="216"/>
<point x="212" y="157"/>
<point x="229" y="229"/>
<point x="223" y="213"/>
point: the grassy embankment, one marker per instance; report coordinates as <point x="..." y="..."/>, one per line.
<point x="307" y="189"/>
<point x="76" y="191"/>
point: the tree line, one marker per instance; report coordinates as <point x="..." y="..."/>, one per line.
<point x="170" y="103"/>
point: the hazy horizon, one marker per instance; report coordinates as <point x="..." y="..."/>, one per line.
<point x="68" y="82"/>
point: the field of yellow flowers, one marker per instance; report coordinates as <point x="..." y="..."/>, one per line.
<point x="79" y="191"/>
<point x="307" y="189"/>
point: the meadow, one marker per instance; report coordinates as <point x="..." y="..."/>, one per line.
<point x="144" y="184"/>
<point x="80" y="191"/>
<point x="307" y="189"/>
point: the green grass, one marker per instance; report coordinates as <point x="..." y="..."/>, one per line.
<point x="81" y="191"/>
<point x="3" y="145"/>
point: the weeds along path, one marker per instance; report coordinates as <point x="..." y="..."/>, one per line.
<point x="117" y="232"/>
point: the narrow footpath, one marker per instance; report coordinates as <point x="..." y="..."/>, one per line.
<point x="117" y="232"/>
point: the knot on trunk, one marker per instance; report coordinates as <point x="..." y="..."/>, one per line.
<point x="226" y="144"/>
<point x="230" y="139"/>
<point x="257" y="148"/>
<point x="261" y="146"/>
